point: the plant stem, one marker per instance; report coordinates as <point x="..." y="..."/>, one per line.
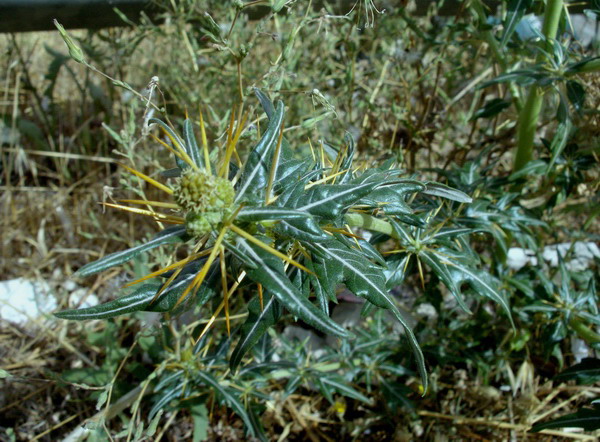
<point x="370" y="223"/>
<point x="583" y="331"/>
<point x="526" y="127"/>
<point x="529" y="115"/>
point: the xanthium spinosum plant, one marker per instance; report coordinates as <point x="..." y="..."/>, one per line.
<point x="287" y="227"/>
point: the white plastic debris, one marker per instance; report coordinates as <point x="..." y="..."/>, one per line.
<point x="22" y="300"/>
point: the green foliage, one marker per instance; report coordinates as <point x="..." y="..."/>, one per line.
<point x="294" y="224"/>
<point x="586" y="372"/>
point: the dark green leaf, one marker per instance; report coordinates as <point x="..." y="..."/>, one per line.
<point x="257" y="214"/>
<point x="516" y="9"/>
<point x="341" y="386"/>
<point x="302" y="229"/>
<point x="491" y="108"/>
<point x="482" y="282"/>
<point x="576" y="94"/>
<point x="366" y="280"/>
<point x="271" y="275"/>
<point x="254" y="178"/>
<point x="586" y="418"/>
<point x="524" y="77"/>
<point x="447" y="192"/>
<point x="137" y="301"/>
<point x="587" y="65"/>
<point x="258" y="322"/>
<point x="559" y="141"/>
<point x="441" y="270"/>
<point x="169" y="235"/>
<point x="586" y="372"/>
<point x="328" y="200"/>
<point x="228" y="396"/>
<point x="534" y="167"/>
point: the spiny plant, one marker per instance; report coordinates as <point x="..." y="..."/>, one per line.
<point x="283" y="223"/>
<point x="288" y="231"/>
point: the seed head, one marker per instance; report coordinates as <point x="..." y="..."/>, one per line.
<point x="206" y="198"/>
<point x="198" y="191"/>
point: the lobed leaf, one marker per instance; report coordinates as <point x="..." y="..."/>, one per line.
<point x="302" y="229"/>
<point x="482" y="282"/>
<point x="329" y="200"/>
<point x="441" y="270"/>
<point x="367" y="280"/>
<point x="271" y="275"/>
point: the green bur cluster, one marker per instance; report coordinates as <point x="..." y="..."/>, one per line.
<point x="206" y="199"/>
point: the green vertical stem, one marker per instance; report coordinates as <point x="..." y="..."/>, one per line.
<point x="530" y="113"/>
<point x="583" y="331"/>
<point x="526" y="127"/>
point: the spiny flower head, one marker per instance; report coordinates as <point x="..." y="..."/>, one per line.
<point x="206" y="199"/>
<point x="198" y="191"/>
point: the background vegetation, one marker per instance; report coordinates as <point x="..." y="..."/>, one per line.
<point x="447" y="98"/>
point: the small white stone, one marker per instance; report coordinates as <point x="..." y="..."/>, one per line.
<point x="517" y="258"/>
<point x="22" y="300"/>
<point x="70" y="285"/>
<point x="579" y="349"/>
<point x="89" y="300"/>
<point x="581" y="256"/>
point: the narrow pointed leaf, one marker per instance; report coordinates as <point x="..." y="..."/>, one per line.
<point x="265" y="102"/>
<point x="483" y="283"/>
<point x="271" y="275"/>
<point x="191" y="145"/>
<point x="442" y="272"/>
<point x="257" y="214"/>
<point x="256" y="325"/>
<point x="586" y="372"/>
<point x="143" y="298"/>
<point x="256" y="170"/>
<point x="231" y="400"/>
<point x="586" y="418"/>
<point x="169" y="235"/>
<point x="344" y="389"/>
<point x="180" y="163"/>
<point x="447" y="192"/>
<point x="328" y="201"/>
<point x="515" y="11"/>
<point x="133" y="302"/>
